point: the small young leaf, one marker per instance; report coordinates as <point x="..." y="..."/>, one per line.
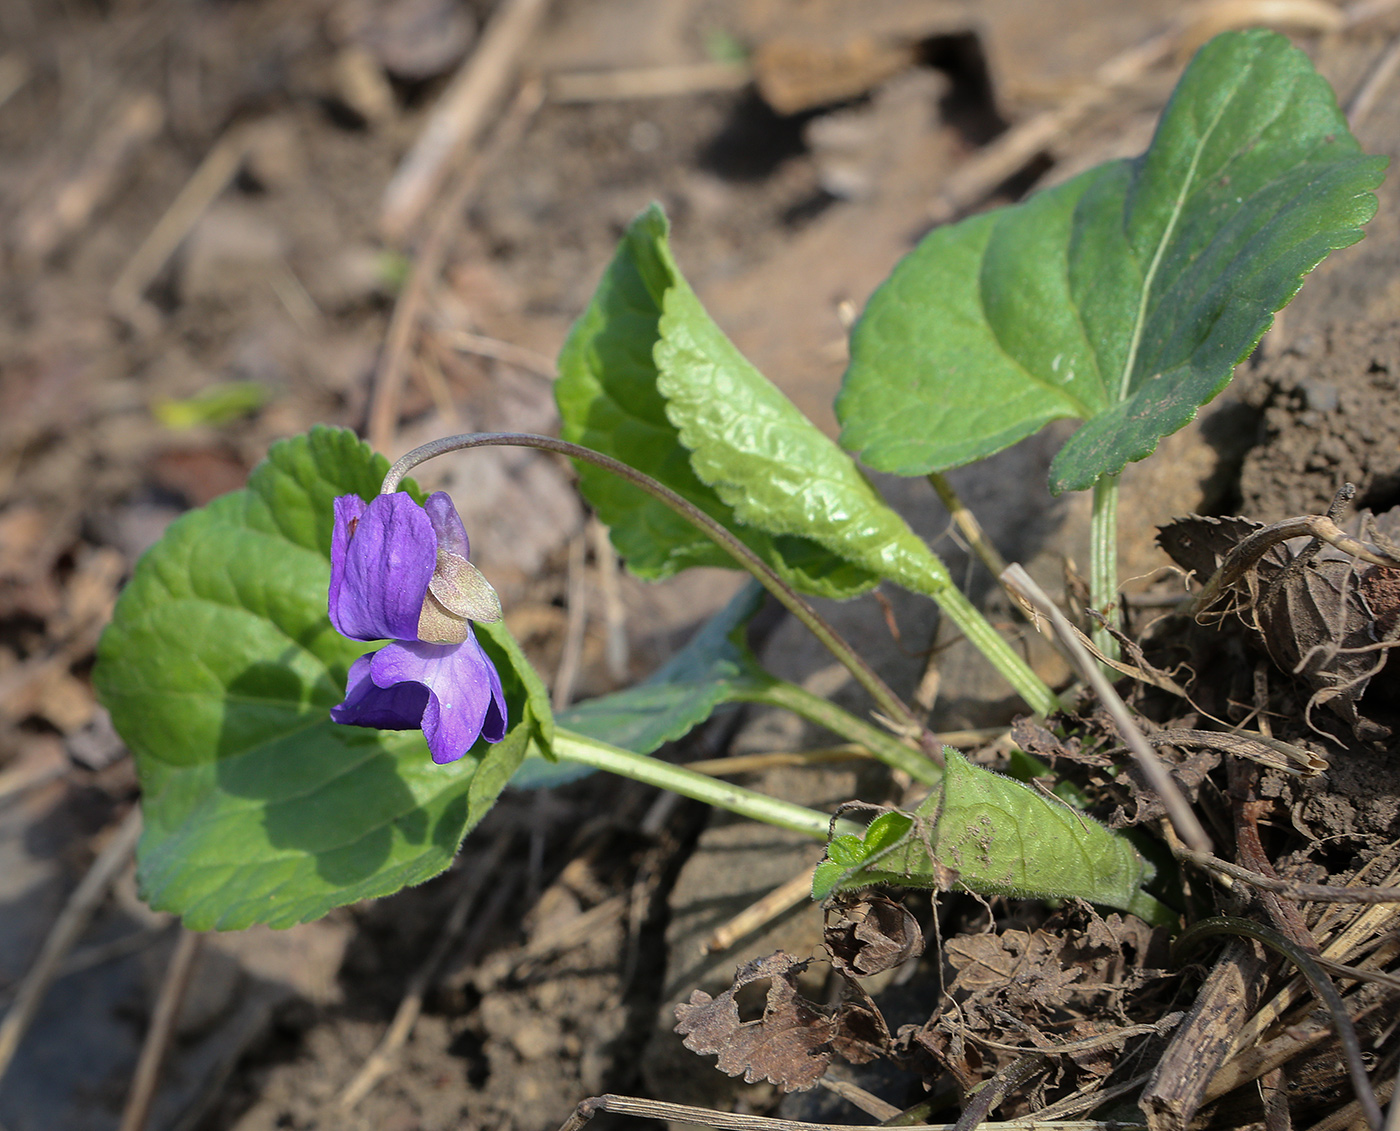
<point x="993" y="836"/>
<point x="220" y="667"/>
<point x="1124" y="297"/>
<point x="609" y="400"/>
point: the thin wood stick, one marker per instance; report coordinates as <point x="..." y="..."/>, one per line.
<point x="759" y="914"/>
<point x="219" y="167"/>
<point x="727" y="1121"/>
<point x="381" y="1059"/>
<point x="969" y="526"/>
<point x="1308" y="893"/>
<point x="858" y="1097"/>
<point x="64" y="933"/>
<point x="31" y="772"/>
<point x="1182" y="817"/>
<point x="615" y="643"/>
<point x="66" y="210"/>
<point x="459" y="116"/>
<point x="1365" y="99"/>
<point x="464" y="342"/>
<point x="1011" y="151"/>
<point x="14" y="73"/>
<point x="393" y="362"/>
<point x="158" y="1036"/>
<point x="648" y="82"/>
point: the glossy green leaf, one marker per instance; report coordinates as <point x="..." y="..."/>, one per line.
<point x="714" y="668"/>
<point x="1123" y="298"/>
<point x="995" y="836"/>
<point x="775" y="468"/>
<point x="609" y="400"/>
<point x="220" y="667"/>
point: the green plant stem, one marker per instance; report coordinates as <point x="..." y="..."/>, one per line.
<point x="700" y="787"/>
<point x="864" y="674"/>
<point x="890" y="750"/>
<point x="973" y="625"/>
<point x="1103" y="562"/>
<point x="987" y="640"/>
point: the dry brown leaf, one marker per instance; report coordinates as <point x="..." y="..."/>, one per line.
<point x="788" y="1046"/>
<point x="1322" y="616"/>
<point x="871" y="933"/>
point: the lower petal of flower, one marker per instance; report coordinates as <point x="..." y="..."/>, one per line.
<point x="464" y="699"/>
<point x="398" y="707"/>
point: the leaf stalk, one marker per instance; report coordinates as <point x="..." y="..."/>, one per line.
<point x="699" y="787"/>
<point x="1103" y="563"/>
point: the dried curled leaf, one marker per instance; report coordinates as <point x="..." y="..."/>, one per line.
<point x="871" y="933"/>
<point x="791" y="1045"/>
<point x="1321" y="615"/>
<point x="788" y="1046"/>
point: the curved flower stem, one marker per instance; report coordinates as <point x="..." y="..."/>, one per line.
<point x="1103" y="562"/>
<point x="825" y="713"/>
<point x="864" y="674"/>
<point x="700" y="787"/>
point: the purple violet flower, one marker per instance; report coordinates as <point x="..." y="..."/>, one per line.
<point x="400" y="572"/>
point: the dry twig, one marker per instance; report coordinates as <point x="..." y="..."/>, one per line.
<point x="65" y="209"/>
<point x="406" y="1016"/>
<point x="726" y="1121"/>
<point x="648" y="82"/>
<point x="459" y="116"/>
<point x="219" y="167"/>
<point x="158" y="1036"/>
<point x="64" y="933"/>
<point x="763" y="912"/>
<point x="393" y="362"/>
<point x="1183" y="819"/>
<point x="576" y="604"/>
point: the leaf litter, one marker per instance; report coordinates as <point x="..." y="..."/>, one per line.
<point x="1066" y="1011"/>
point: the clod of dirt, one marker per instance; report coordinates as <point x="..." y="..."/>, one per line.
<point x="872" y="933"/>
<point x="413" y="40"/>
<point x="1331" y="411"/>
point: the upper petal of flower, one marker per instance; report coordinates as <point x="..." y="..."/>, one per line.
<point x="447" y="524"/>
<point x="382" y="558"/>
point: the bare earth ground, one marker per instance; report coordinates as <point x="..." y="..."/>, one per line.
<point x="601" y="895"/>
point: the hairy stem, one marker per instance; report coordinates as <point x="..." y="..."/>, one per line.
<point x="864" y="674"/>
<point x="1103" y="562"/>
<point x="700" y="787"/>
<point x="890" y="750"/>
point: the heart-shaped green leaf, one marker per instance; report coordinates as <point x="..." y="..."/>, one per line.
<point x="220" y="667"/>
<point x="609" y="401"/>
<point x="1123" y="298"/>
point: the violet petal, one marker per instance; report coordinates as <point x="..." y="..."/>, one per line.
<point x="382" y="558"/>
<point x="386" y="708"/>
<point x="464" y="696"/>
<point x="447" y="524"/>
